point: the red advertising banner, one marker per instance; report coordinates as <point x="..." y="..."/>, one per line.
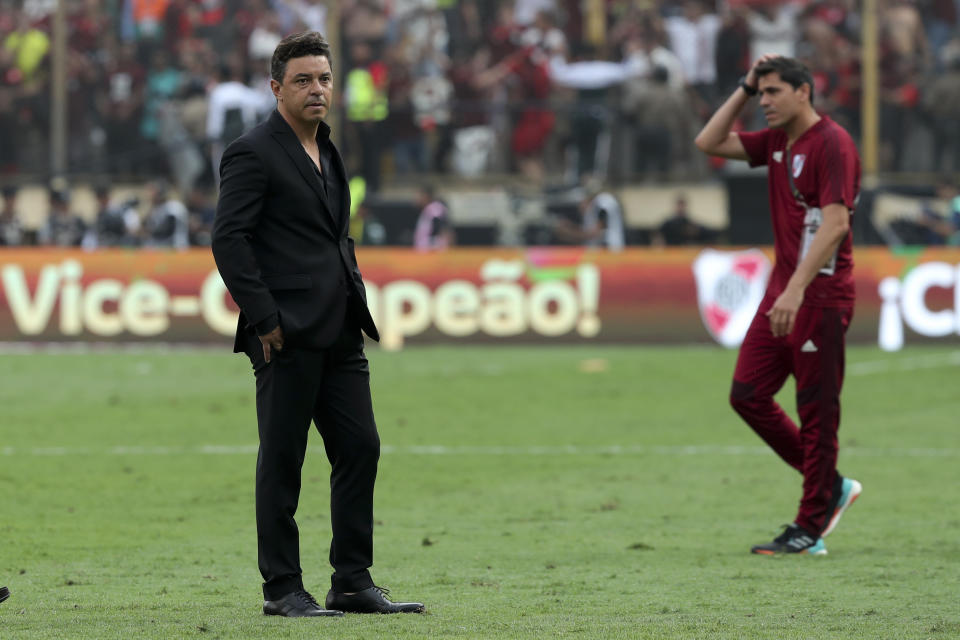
<point x="474" y="295"/>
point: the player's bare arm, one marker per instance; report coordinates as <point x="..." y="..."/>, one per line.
<point x="716" y="137"/>
<point x="835" y="226"/>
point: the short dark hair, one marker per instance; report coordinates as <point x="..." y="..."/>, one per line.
<point x="790" y="70"/>
<point x="297" y="45"/>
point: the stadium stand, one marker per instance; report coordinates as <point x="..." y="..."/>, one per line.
<point x="529" y="92"/>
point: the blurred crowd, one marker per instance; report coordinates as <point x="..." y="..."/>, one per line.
<point x="160" y="220"/>
<point x="540" y="88"/>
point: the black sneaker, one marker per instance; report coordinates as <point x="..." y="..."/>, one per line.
<point x="794" y="539"/>
<point x="4" y="593"/>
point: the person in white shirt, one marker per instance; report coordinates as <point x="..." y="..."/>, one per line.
<point x="693" y="37"/>
<point x="603" y="221"/>
<point x="601" y="225"/>
<point x="544" y="34"/>
<point x="312" y="13"/>
<point x="774" y="29"/>
<point x="11" y="233"/>
<point x="167" y="223"/>
<point x="433" y="230"/>
<point x="232" y="110"/>
<point x="525" y="11"/>
<point x="644" y="54"/>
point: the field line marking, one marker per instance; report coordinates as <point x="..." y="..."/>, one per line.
<point x="489" y="450"/>
<point x="82" y="348"/>
<point x="867" y="367"/>
<point x="909" y="363"/>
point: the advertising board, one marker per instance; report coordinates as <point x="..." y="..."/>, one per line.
<point x="533" y="295"/>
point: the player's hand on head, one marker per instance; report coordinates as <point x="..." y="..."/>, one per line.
<point x="751" y="78"/>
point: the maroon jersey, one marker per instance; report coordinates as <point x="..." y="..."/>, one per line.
<point x="821" y="168"/>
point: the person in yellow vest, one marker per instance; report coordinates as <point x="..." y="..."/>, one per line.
<point x="27" y="48"/>
<point x="365" y="228"/>
<point x="358" y="193"/>
<point x="365" y="100"/>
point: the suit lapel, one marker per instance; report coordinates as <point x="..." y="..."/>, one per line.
<point x="340" y="171"/>
<point x="288" y="140"/>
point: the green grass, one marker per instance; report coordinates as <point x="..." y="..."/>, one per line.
<point x="501" y="500"/>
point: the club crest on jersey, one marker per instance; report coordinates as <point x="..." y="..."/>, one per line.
<point x="798" y="161"/>
<point x="730" y="287"/>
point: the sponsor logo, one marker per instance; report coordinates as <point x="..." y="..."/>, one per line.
<point x="730" y="286"/>
<point x="778" y="156"/>
<point x="808" y="347"/>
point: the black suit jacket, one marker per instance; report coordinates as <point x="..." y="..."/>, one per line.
<point x="281" y="248"/>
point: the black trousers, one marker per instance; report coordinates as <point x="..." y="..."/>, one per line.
<point x="332" y="388"/>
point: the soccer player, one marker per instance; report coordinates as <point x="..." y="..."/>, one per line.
<point x="814" y="179"/>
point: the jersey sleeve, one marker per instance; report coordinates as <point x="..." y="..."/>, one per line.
<point x="755" y="143"/>
<point x="838" y="174"/>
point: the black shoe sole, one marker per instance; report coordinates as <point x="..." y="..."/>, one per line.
<point x="386" y="613"/>
<point x="4" y="593"/>
<point x="336" y="614"/>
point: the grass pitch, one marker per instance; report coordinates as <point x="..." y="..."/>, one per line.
<point x="523" y="493"/>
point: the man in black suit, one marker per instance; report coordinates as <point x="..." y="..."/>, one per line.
<point x="280" y="243"/>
